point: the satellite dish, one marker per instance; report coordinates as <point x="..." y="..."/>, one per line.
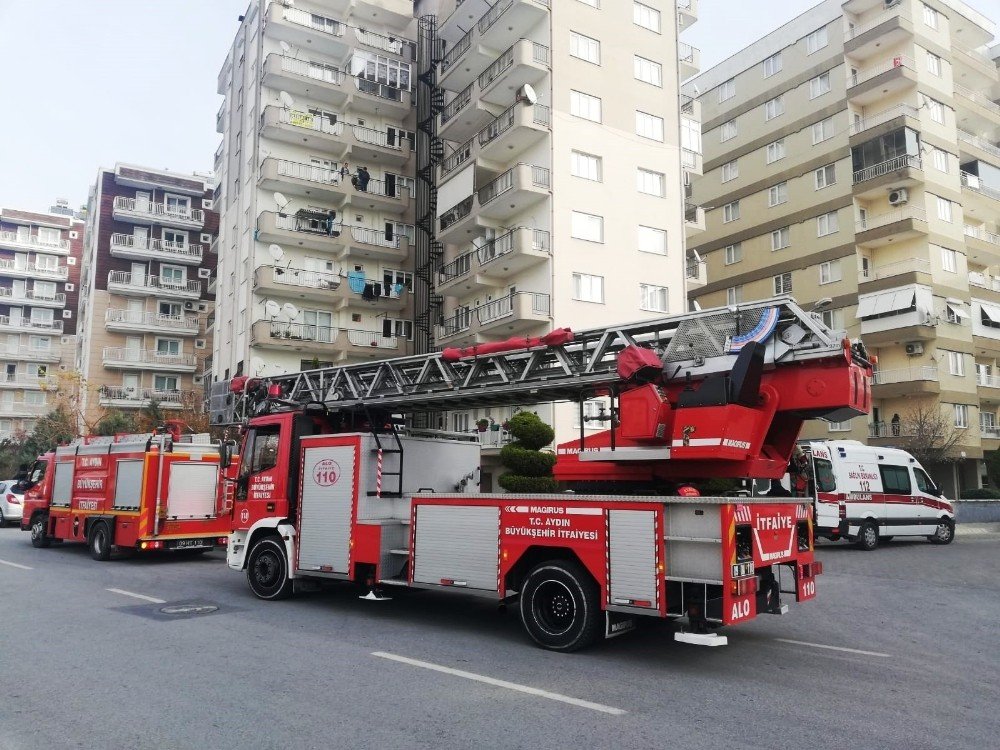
<point x="286" y="99"/>
<point x="290" y="310"/>
<point x="527" y="94"/>
<point x="281" y="200"/>
<point x="276" y="252"/>
<point x="272" y="308"/>
<point x="285" y="47"/>
<point x="257" y="366"/>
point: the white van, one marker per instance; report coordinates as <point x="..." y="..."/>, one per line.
<point x="869" y="494"/>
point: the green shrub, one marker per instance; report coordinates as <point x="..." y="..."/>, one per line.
<point x="526" y="462"/>
<point x="528" y="429"/>
<point x="986" y="493"/>
<point x="516" y="483"/>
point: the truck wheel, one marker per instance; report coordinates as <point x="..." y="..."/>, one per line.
<point x="267" y="569"/>
<point x="944" y="533"/>
<point x="560" y="606"/>
<point x="867" y="536"/>
<point x="38" y="536"/>
<point x="3" y="521"/>
<point x="99" y="541"/>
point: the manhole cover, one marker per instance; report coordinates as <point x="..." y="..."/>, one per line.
<point x="188" y="609"/>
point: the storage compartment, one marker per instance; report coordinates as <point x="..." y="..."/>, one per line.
<point x="128" y="484"/>
<point x="326" y="506"/>
<point x="191" y="490"/>
<point x="632" y="557"/>
<point x="457" y="545"/>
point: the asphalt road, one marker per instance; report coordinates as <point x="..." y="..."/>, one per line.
<point x="82" y="665"/>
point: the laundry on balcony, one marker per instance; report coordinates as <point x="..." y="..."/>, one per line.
<point x="356" y="281"/>
<point x="307" y="220"/>
<point x="372" y="291"/>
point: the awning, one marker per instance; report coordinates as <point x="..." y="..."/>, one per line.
<point x="957" y="308"/>
<point x="991" y="312"/>
<point x="885" y="303"/>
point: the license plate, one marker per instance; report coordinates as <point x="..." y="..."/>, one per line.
<point x="742" y="570"/>
<point x="191" y="544"/>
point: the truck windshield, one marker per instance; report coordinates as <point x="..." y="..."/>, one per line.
<point x="825" y="480"/>
<point x="35" y="475"/>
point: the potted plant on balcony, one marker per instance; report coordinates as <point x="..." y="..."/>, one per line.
<point x="494" y="425"/>
<point x="482" y="424"/>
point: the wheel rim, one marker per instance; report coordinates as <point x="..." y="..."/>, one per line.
<point x="99" y="541"/>
<point x="554" y="607"/>
<point x="266" y="570"/>
<point x="37" y="529"/>
<point x="871" y="536"/>
<point x="944" y="531"/>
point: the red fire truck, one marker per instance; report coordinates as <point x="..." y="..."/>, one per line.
<point x="330" y="488"/>
<point x="139" y="492"/>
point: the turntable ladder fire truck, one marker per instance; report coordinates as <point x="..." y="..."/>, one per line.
<point x="138" y="492"/>
<point x="330" y="488"/>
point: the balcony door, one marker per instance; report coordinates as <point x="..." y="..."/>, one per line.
<point x="142" y="201"/>
<point x="318" y="326"/>
<point x="140" y="237"/>
<point x="133" y="348"/>
<point x="178" y="205"/>
<point x="130" y="384"/>
<point x="138" y="274"/>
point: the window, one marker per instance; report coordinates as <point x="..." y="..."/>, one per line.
<point x="829" y="272"/>
<point x="44" y="290"/>
<point x="949" y="260"/>
<point x="584" y="105"/>
<point x="647" y="71"/>
<point x="825" y="176"/>
<point x="895" y="479"/>
<point x="691" y="134"/>
<point x="780" y="238"/>
<point x="588" y="288"/>
<point x="924" y="483"/>
<point x="34" y="398"/>
<point x="730" y="170"/>
<point x="734" y="295"/>
<point x="819" y="85"/>
<point x="164" y="382"/>
<point x="727" y="90"/>
<point x="172" y="275"/>
<point x="49" y="236"/>
<point x="584" y="48"/>
<point x="652" y="298"/>
<point x="775" y="151"/>
<point x="586" y="166"/>
<point x="174" y="240"/>
<point x="648" y="18"/>
<point x="381" y="69"/>
<point x="587" y="226"/>
<point x="652" y="240"/>
<point x="595" y="412"/>
<point x="933" y="64"/>
<point x="177" y="205"/>
<point x="168" y="347"/>
<point x="817" y="40"/>
<point x="772" y="65"/>
<point x="827" y="224"/>
<point x="170" y="309"/>
<point x="833" y="319"/>
<point x="783" y="283"/>
<point x="650" y="183"/>
<point x="777" y="194"/>
<point x="944" y="209"/>
<point x="956" y="363"/>
<point x="822" y="130"/>
<point x="727" y="131"/>
<point x="838" y="426"/>
<point x="930" y="17"/>
<point x="774" y="107"/>
<point x="733" y="253"/>
<point x="264" y="454"/>
<point x="935" y="108"/>
<point x="940" y="159"/>
<point x="730" y="212"/>
<point x="649" y="126"/>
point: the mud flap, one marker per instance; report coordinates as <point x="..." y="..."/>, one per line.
<point x="616" y="623"/>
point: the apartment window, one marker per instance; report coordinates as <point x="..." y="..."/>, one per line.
<point x="830" y="272"/>
<point x="691" y="134"/>
<point x="168" y="347"/>
<point x="648" y="18"/>
<point x="649" y="126"/>
<point x="584" y="48"/>
<point x="587" y="166"/>
<point x="949" y="260"/>
<point x="935" y="108"/>
<point x="819" y="85"/>
<point x="733" y="253"/>
<point x="838" y="426"/>
<point x="822" y="130"/>
<point x="584" y="105"/>
<point x="647" y="71"/>
<point x="652" y="240"/>
<point x="956" y="363"/>
<point x="730" y="212"/>
<point x="930" y="17"/>
<point x="943" y="209"/>
<point x="727" y="90"/>
<point x="940" y="159"/>
<point x="588" y="288"/>
<point x="775" y="151"/>
<point x="49" y="236"/>
<point x="170" y="309"/>
<point x="172" y="275"/>
<point x="175" y="240"/>
<point x="730" y="170"/>
<point x="961" y="411"/>
<point x="34" y="398"/>
<point x="933" y="64"/>
<point x="780" y="238"/>
<point x="734" y="295"/>
<point x="817" y="40"/>
<point x="783" y="283"/>
<point x="178" y="205"/>
<point x="381" y="69"/>
<point x="588" y="227"/>
<point x="772" y="65"/>
<point x="777" y="194"/>
<point x="727" y="130"/>
<point x="827" y="224"/>
<point x="825" y="176"/>
<point x="165" y="382"/>
<point x="650" y="183"/>
<point x="833" y="319"/>
<point x="44" y="289"/>
<point x="652" y="298"/>
<point x="774" y="107"/>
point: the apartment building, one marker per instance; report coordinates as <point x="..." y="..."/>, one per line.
<point x="315" y="193"/>
<point x="39" y="284"/>
<point x="852" y="161"/>
<point x="148" y="290"/>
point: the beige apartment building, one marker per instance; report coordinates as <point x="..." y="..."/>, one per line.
<point x="851" y="157"/>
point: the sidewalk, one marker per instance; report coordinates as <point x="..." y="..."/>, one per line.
<point x="977" y="529"/>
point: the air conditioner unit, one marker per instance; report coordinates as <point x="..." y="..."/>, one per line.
<point x="898" y="197"/>
<point x="190" y="305"/>
<point x="913" y="348"/>
<point x="204" y="273"/>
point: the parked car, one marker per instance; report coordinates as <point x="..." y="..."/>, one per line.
<point x="11" y="503"/>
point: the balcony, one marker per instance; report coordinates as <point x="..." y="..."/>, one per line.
<point x="125" y="358"/>
<point x="882" y="80"/>
<point x="905" y="381"/>
<point x="891" y="430"/>
<point x="509" y="135"/>
<point x="27" y="353"/>
<point x="145" y="212"/>
<point x="11" y="324"/>
<point x="123" y="282"/>
<point x="305" y="229"/>
<point x="524" y="62"/>
<point x="696" y="272"/>
<point x="294" y="283"/>
<point x="687" y="12"/>
<point x="982" y="245"/>
<point x="31" y="297"/>
<point x="489" y="265"/>
<point x="978" y="112"/>
<point x="219" y="153"/>
<point x="376" y="244"/>
<point x="131" y="321"/>
<point x="881" y="31"/>
<point x="900" y="171"/>
<point x="892" y="118"/>
<point x="977" y="148"/>
<point x="311" y="33"/>
<point x="903" y="223"/>
<point x="519" y="188"/>
<point x="24" y="381"/>
<point x="32" y="243"/>
<point x="984" y="281"/>
<point x="373" y="98"/>
<point x="370" y="145"/>
<point x="974" y="184"/>
<point x="694" y="219"/>
<point x="121" y="397"/>
<point x="143" y="248"/>
<point x="220" y="118"/>
<point x="381" y="195"/>
<point x="304" y="129"/>
<point x="309" y="181"/>
<point x="321" y="83"/>
<point x="333" y="342"/>
<point x="908" y="266"/>
<point x="462" y="117"/>
<point x="689" y="60"/>
<point x="18" y="270"/>
<point x="510" y="315"/>
<point x="984" y="380"/>
<point x="497" y="28"/>
<point x="394" y="14"/>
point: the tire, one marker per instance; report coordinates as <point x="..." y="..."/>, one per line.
<point x="945" y="533"/>
<point x="867" y="536"/>
<point x="267" y="570"/>
<point x="560" y="606"/>
<point x="99" y="541"/>
<point x="3" y="521"/>
<point x="884" y="539"/>
<point x="39" y="538"/>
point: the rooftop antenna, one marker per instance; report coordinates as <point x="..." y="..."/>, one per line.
<point x="272" y="309"/>
<point x="290" y="310"/>
<point x="286" y="99"/>
<point x="281" y="201"/>
<point x="526" y="94"/>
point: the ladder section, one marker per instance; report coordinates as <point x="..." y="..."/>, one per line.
<point x="393" y="447"/>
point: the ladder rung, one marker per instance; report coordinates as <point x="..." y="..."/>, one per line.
<point x="399" y="552"/>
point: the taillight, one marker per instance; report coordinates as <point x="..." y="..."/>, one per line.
<point x="13" y="500"/>
<point x="743" y="586"/>
<point x="223" y="540"/>
<point x="811" y="570"/>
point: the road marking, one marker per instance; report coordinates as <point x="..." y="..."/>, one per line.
<point x="138" y="596"/>
<point x="15" y="565"/>
<point x="502" y="683"/>
<point x="835" y="648"/>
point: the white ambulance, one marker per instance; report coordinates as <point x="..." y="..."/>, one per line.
<point x="868" y="494"/>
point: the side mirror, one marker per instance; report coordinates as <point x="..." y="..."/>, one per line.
<point x="225" y="454"/>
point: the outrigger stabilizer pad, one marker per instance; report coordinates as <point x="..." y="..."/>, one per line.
<point x="701" y="639"/>
<point x="375" y="596"/>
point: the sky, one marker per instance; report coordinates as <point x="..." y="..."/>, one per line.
<point x="88" y="83"/>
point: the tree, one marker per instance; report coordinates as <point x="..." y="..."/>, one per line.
<point x="115" y="421"/>
<point x="530" y="469"/>
<point x="928" y="435"/>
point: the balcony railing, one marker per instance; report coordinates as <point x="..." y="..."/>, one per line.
<point x="457" y="104"/>
<point x="131" y="242"/>
<point x="456" y="213"/>
<point x="457" y="158"/>
<point x="978" y="98"/>
<point x="459" y="267"/>
<point x="982" y="234"/>
<point x="31" y="295"/>
<point x="9" y="265"/>
<point x="32" y="241"/>
<point x="685" y="52"/>
<point x="975" y="140"/>
<point x="40" y="326"/>
<point x="984" y="281"/>
<point x="501" y="308"/>
<point x="891" y="217"/>
<point x="317" y="23"/>
<point x="386" y="291"/>
<point x="539" y="54"/>
<point x="378" y="41"/>
<point x="905" y="375"/>
<point x="147" y="357"/>
<point x="374" y="237"/>
<point x="506" y="181"/>
<point x="989" y="431"/>
<point x="23" y="378"/>
<point x="987" y="381"/>
<point x="124" y="278"/>
<point x="309" y="121"/>
<point x="974" y="183"/>
<point x="899" y="61"/>
<point x="885" y="115"/>
<point x="504" y="244"/>
<point x="303" y="332"/>
<point x="461" y="47"/>
<point x="695" y="269"/>
<point x="376" y="138"/>
<point x="124" y="393"/>
<point x="158" y="210"/>
<point x="892" y="165"/>
<point x="315" y="72"/>
<point x="151" y="319"/>
<point x="381" y="90"/>
<point x="303" y="278"/>
<point x="372" y="339"/>
<point x="858" y="30"/>
<point x="892" y="429"/>
<point x="909" y="265"/>
<point x="309" y="172"/>
<point x="506" y="120"/>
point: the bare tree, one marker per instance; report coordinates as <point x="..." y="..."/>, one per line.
<point x="929" y="436"/>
